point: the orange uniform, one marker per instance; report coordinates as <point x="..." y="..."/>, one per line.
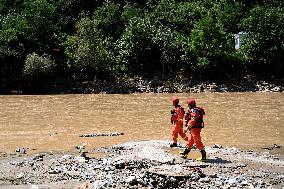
<point x="177" y="120"/>
<point x="194" y="120"/>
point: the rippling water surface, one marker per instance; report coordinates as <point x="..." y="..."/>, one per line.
<point x="55" y="122"/>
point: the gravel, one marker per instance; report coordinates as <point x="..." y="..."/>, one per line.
<point x="144" y="164"/>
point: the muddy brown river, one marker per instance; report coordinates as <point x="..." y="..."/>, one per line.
<point x="55" y="122"/>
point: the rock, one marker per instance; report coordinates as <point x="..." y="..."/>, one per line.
<point x="280" y="176"/>
<point x="155" y="154"/>
<point x="66" y="156"/>
<point x="55" y="171"/>
<point x="276" y="89"/>
<point x="232" y="181"/>
<point x="173" y="180"/>
<point x="53" y="133"/>
<point x="276" y="146"/>
<point x="21" y="150"/>
<point x="98" y="184"/>
<point x="108" y="168"/>
<point x="83" y="154"/>
<point x="156" y="82"/>
<point x="213" y="175"/>
<point x="244" y="183"/>
<point x="97" y="166"/>
<point x="80" y="147"/>
<point x="160" y="89"/>
<point x="171" y="170"/>
<point x="132" y="180"/>
<point x="141" y="182"/>
<point x="217" y="146"/>
<point x="120" y="165"/>
<point x="80" y="159"/>
<point x="206" y="180"/>
<point x="39" y="157"/>
<point x="219" y="183"/>
<point x="20" y="175"/>
<point x="18" y="163"/>
<point x="195" y="176"/>
<point x="233" y="150"/>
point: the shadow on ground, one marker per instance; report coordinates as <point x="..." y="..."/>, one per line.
<point x="218" y="161"/>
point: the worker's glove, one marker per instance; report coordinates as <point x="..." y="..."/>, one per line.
<point x="187" y="128"/>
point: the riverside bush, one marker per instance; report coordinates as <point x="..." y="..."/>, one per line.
<point x="38" y="68"/>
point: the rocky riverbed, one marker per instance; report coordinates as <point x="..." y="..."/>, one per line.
<point x="144" y="164"/>
<point x="180" y="84"/>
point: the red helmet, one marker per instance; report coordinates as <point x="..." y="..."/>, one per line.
<point x="191" y="102"/>
<point x="175" y="99"/>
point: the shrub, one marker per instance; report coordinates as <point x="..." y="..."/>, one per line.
<point x="38" y="68"/>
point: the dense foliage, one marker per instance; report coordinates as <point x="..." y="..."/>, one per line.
<point x="47" y="41"/>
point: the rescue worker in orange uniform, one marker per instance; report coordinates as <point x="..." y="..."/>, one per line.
<point x="194" y="123"/>
<point x="177" y="119"/>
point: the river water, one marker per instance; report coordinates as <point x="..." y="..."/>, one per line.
<point x="55" y="122"/>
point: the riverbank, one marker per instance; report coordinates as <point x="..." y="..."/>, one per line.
<point x="145" y="164"/>
<point x="179" y="84"/>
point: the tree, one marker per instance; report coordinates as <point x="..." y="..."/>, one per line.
<point x="136" y="49"/>
<point x="211" y="45"/>
<point x="85" y="51"/>
<point x="107" y="20"/>
<point x="11" y="48"/>
<point x="41" y="30"/>
<point x="264" y="47"/>
<point x="228" y="15"/>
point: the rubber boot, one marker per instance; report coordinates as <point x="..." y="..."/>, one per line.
<point x="184" y="153"/>
<point x="203" y="156"/>
<point x="173" y="145"/>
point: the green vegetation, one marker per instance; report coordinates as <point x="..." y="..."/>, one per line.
<point x="52" y="42"/>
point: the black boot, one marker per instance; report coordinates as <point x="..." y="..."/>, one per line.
<point x="173" y="145"/>
<point x="203" y="155"/>
<point x="184" y="153"/>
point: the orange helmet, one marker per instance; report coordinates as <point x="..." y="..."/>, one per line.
<point x="191" y="102"/>
<point x="175" y="99"/>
